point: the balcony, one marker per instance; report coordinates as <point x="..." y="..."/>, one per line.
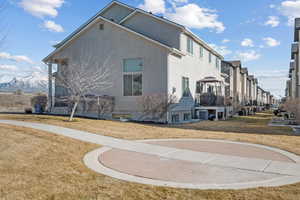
<point x="210" y="99"/>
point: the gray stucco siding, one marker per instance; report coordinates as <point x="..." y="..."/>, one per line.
<point x="155" y="29"/>
<point x="116" y="12"/>
<point x="118" y="44"/>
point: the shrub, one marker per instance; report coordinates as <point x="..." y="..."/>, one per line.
<point x="39" y="100"/>
<point x="18" y="92"/>
<point x="293" y="107"/>
<point x="28" y="110"/>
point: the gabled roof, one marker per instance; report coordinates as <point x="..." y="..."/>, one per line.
<point x="235" y="63"/>
<point x="173" y="50"/>
<point x="91" y="20"/>
<point x="135" y="10"/>
<point x="183" y="28"/>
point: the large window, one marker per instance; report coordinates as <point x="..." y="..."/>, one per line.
<point x="133" y="78"/>
<point x="185" y="87"/>
<point x="190" y="45"/>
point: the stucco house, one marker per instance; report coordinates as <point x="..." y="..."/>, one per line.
<point x="293" y="84"/>
<point x="149" y="55"/>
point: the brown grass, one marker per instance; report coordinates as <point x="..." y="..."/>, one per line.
<point x="256" y="124"/>
<point x="10" y="102"/>
<point x="39" y="165"/>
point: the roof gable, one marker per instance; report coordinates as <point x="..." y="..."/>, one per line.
<point x="172" y="50"/>
<point x="91" y="20"/>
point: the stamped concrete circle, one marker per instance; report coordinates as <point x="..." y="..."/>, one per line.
<point x="222" y="171"/>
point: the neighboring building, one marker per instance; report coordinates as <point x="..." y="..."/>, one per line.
<point x="244" y="75"/>
<point x="228" y="69"/>
<point x="237" y="83"/>
<point x="293" y="85"/>
<point x="150" y="55"/>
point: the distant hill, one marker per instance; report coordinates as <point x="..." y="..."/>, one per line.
<point x="31" y="84"/>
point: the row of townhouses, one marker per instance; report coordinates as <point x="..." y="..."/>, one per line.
<point x="150" y="55"/>
<point x="293" y="84"/>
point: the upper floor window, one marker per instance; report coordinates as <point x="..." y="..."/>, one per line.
<point x="209" y="57"/>
<point x="201" y="51"/>
<point x="185" y="87"/>
<point x="190" y="45"/>
<point x="132" y="77"/>
<point x="217" y="63"/>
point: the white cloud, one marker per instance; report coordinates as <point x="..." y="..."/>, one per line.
<point x="42" y="8"/>
<point x="180" y="1"/>
<point x="223" y="50"/>
<point x="290" y="9"/>
<point x="247" y="56"/>
<point x="247" y="43"/>
<point x="271" y="42"/>
<point x="188" y="14"/>
<point x="272" y="6"/>
<point x="16" y="58"/>
<point x="155" y="6"/>
<point x="8" y="67"/>
<point x="52" y="26"/>
<point x="273" y="21"/>
<point x="194" y="16"/>
<point x="225" y="41"/>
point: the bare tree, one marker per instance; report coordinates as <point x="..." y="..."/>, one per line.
<point x="82" y="77"/>
<point x="156" y="106"/>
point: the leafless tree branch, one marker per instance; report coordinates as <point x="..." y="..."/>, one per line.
<point x="83" y="76"/>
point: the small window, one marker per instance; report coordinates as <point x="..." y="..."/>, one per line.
<point x="209" y="57"/>
<point x="201" y="51"/>
<point x="190" y="45"/>
<point x="185" y="87"/>
<point x="186" y="116"/>
<point x="217" y="63"/>
<point x="101" y="26"/>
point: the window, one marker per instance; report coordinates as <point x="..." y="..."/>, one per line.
<point x="210" y="89"/>
<point x="199" y="87"/>
<point x="185" y="87"/>
<point x="217" y="62"/>
<point x="209" y="57"/>
<point x="186" y="116"/>
<point x="201" y="51"/>
<point x="132" y="78"/>
<point x="190" y="45"/>
<point x="175" y="118"/>
<point x="101" y="26"/>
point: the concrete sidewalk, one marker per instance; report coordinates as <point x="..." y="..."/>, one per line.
<point x="252" y="164"/>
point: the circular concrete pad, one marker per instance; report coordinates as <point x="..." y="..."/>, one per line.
<point x="156" y="170"/>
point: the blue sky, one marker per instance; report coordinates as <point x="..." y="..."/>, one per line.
<point x="258" y="32"/>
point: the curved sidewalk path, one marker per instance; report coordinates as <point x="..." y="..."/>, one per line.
<point x="251" y="164"/>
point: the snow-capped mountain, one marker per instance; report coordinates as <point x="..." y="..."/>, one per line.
<point x="35" y="82"/>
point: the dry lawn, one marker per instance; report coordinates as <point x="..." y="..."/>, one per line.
<point x="256" y="124"/>
<point x="40" y="165"/>
<point x="10" y="102"/>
